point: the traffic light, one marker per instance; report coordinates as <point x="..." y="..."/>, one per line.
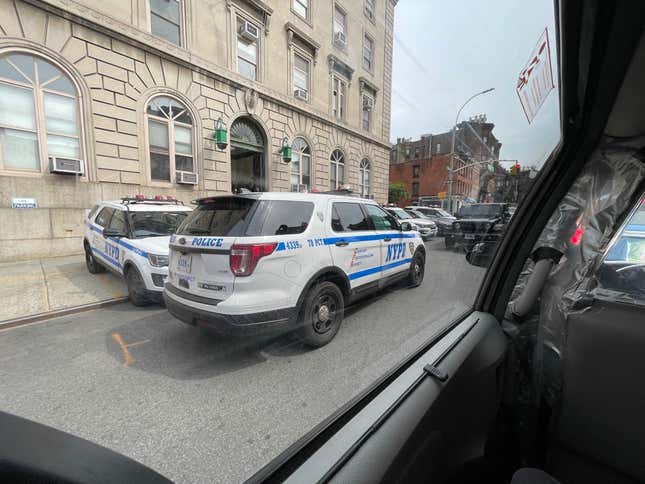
<point x="515" y="169"/>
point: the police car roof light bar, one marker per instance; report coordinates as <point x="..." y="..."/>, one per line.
<point x="157" y="199"/>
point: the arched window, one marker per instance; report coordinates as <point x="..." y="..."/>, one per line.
<point x="39" y="114"/>
<point x="336" y="169"/>
<point x="170" y="138"/>
<point x="300" y="165"/>
<point x="364" y="178"/>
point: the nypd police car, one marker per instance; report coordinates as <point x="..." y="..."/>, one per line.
<point x="130" y="237"/>
<point x="263" y="262"/>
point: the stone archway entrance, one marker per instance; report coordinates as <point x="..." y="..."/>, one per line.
<point x="248" y="152"/>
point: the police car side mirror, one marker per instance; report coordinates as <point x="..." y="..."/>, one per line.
<point x="113" y="233"/>
<point x="406" y="226"/>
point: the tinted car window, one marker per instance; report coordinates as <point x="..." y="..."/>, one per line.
<point x="118" y="221"/>
<point x="93" y="211"/>
<point x="154" y="224"/>
<point x="225" y="216"/>
<point x="380" y="218"/>
<point x="278" y="217"/>
<point x="473" y="211"/>
<point x="348" y="217"/>
<point x="103" y="217"/>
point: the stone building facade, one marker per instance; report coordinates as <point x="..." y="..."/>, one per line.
<point x="134" y="89"/>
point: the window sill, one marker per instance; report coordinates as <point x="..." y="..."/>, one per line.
<point x="305" y="20"/>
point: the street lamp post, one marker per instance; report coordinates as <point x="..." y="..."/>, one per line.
<point x="452" y="148"/>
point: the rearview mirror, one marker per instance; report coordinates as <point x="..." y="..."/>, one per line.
<point x="406" y="226"/>
<point x="113" y="233"/>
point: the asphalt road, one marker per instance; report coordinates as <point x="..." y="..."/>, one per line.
<point x="200" y="409"/>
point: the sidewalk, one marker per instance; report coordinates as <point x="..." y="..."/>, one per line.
<point x="47" y="285"/>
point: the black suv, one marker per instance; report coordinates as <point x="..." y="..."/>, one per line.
<point x="478" y="229"/>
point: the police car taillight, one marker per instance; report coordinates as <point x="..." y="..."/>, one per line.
<point x="244" y="257"/>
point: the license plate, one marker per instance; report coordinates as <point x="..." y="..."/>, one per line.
<point x="184" y="264"/>
<point x="469" y="236"/>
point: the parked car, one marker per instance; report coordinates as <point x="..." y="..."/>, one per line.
<point x="130" y="238"/>
<point x="426" y="227"/>
<point x="440" y="217"/>
<point x="478" y="229"/>
<point x="274" y="262"/>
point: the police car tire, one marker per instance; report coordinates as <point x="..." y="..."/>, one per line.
<point x="136" y="287"/>
<point x="416" y="278"/>
<point x="93" y="266"/>
<point x="313" y="330"/>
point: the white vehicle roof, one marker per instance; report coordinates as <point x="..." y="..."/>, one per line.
<point x="296" y="196"/>
<point x="147" y="206"/>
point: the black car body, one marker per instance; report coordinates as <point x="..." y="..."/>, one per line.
<point x="478" y="229"/>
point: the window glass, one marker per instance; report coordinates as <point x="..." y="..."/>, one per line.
<point x="222" y="216"/>
<point x="154" y="224"/>
<point x="247" y="54"/>
<point x="164" y="19"/>
<point x="300" y="164"/>
<point x="380" y="218"/>
<point x="300" y="73"/>
<point x="19" y="149"/>
<point x="17" y="108"/>
<point x="104" y="216"/>
<point x="301" y="7"/>
<point x="339" y="21"/>
<point x="60" y="113"/>
<point x="368" y="53"/>
<point x="277" y="217"/>
<point x="349" y="217"/>
<point x="63" y="146"/>
<point x="336" y="170"/>
<point x="170" y="138"/>
<point x="118" y="221"/>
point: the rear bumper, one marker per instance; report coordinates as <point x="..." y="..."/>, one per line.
<point x="232" y="324"/>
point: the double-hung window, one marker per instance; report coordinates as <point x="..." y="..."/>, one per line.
<point x="338" y="97"/>
<point x="301" y="73"/>
<point x="165" y="19"/>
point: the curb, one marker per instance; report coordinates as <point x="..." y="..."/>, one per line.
<point x="33" y="318"/>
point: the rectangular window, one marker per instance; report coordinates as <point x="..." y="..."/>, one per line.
<point x="301" y="77"/>
<point x="338" y="97"/>
<point x="20" y="145"/>
<point x="278" y="217"/>
<point x="369" y="8"/>
<point x="415" y="171"/>
<point x="348" y="217"/>
<point x="340" y="27"/>
<point x="368" y="53"/>
<point x="438" y="148"/>
<point x="247" y="49"/>
<point x="165" y="19"/>
<point x="415" y="189"/>
<point x="366" y="118"/>
<point x="301" y="7"/>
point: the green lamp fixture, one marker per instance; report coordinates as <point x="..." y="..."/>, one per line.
<point x="285" y="151"/>
<point x="220" y="135"/>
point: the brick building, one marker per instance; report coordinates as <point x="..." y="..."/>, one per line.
<point x="128" y="92"/>
<point x="422" y="165"/>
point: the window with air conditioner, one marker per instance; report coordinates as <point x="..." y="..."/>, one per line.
<point x="340" y="27"/>
<point x="170" y="139"/>
<point x="39" y="115"/>
<point x="301" y="73"/>
<point x="247" y="49"/>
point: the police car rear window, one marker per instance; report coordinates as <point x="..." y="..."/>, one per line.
<point x="153" y="224"/>
<point x="239" y="217"/>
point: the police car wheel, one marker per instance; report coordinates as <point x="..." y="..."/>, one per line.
<point x="92" y="265"/>
<point x="136" y="287"/>
<point x="417" y="270"/>
<point x="322" y="314"/>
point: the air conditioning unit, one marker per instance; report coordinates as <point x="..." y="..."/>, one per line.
<point x="301" y="94"/>
<point x="340" y="38"/>
<point x="368" y="102"/>
<point x="249" y="31"/>
<point x="186" y="178"/>
<point x="66" y="166"/>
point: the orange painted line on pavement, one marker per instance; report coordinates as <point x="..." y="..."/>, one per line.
<point x="137" y="343"/>
<point x="126" y="353"/>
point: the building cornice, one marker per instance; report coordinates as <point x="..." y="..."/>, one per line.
<point x="88" y="17"/>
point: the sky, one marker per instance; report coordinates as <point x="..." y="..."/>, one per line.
<point x="447" y="50"/>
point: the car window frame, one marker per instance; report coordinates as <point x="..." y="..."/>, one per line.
<point x="109" y="218"/>
<point x="397" y="226"/>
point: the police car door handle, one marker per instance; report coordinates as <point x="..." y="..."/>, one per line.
<point x="387" y="239"/>
<point x="341" y="243"/>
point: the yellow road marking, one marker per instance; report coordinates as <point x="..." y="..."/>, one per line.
<point x="136" y="343"/>
<point x="126" y="353"/>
